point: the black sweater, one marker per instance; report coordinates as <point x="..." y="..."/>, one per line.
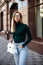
<point x="20" y="34"/>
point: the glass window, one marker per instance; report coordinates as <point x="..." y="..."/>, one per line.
<point x="39" y="18"/>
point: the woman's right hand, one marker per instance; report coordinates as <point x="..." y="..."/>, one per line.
<point x="11" y="40"/>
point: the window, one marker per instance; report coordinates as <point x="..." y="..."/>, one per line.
<point x="39" y="19"/>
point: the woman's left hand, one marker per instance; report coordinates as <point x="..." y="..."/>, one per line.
<point x="21" y="46"/>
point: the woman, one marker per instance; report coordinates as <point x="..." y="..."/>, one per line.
<point x="19" y="31"/>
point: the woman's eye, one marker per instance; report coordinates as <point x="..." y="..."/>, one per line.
<point x="17" y="16"/>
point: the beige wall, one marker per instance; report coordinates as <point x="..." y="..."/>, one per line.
<point x="24" y="12"/>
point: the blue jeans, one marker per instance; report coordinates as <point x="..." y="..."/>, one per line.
<point x="20" y="57"/>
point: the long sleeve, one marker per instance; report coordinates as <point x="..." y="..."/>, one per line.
<point x="29" y="37"/>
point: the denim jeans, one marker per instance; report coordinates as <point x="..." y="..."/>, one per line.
<point x="20" y="57"/>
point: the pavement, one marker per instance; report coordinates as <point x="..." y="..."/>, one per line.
<point x="6" y="58"/>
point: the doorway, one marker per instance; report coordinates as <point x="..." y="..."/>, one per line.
<point x="1" y="20"/>
<point x="14" y="7"/>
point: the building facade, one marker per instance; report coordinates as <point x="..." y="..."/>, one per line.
<point x="32" y="12"/>
<point x="13" y="5"/>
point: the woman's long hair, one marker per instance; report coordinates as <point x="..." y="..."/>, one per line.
<point x="13" y="23"/>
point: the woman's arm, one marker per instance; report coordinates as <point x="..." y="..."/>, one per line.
<point x="29" y="37"/>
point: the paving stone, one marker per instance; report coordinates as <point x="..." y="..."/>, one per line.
<point x="7" y="58"/>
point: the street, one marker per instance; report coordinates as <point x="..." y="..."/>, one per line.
<point x="7" y="58"/>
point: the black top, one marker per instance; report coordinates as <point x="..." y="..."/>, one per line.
<point x="20" y="34"/>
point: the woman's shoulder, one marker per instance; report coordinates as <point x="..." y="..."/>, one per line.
<point x="25" y="25"/>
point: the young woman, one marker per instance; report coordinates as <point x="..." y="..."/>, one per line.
<point x="19" y="31"/>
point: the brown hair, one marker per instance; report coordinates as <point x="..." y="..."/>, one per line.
<point x="13" y="24"/>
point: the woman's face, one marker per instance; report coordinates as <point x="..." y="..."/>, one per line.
<point x="17" y="17"/>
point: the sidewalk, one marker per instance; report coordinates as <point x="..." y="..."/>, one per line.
<point x="7" y="58"/>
